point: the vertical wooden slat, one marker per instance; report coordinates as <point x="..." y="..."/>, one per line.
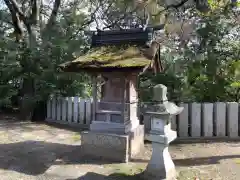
<point x="54" y="108"/>
<point x="75" y="109"/>
<point x="123" y="100"/>
<point x="81" y="111"/>
<point x="64" y="108"/>
<point x="94" y="92"/>
<point x="220" y="118"/>
<point x="58" y="104"/>
<point x="207" y="119"/>
<point x="88" y="111"/>
<point x="147" y="123"/>
<point x="195" y="116"/>
<point x="49" y="110"/>
<point x="70" y="109"/>
<point x="232" y="119"/>
<point x="174" y="123"/>
<point x="183" y="121"/>
<point x="108" y="117"/>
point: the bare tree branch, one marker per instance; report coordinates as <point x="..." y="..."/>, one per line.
<point x="86" y="23"/>
<point x="174" y="6"/>
<point x="34" y="17"/>
<point x="16" y="7"/>
<point x="17" y="18"/>
<point x="139" y="6"/>
<point x="115" y="23"/>
<point x="147" y="21"/>
<point x="53" y="16"/>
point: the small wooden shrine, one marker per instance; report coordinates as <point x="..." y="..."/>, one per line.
<point x="114" y="61"/>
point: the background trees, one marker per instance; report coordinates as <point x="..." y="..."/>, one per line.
<point x="201" y="52"/>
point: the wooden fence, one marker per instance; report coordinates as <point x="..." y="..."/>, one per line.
<point x="73" y="111"/>
<point x="221" y="119"/>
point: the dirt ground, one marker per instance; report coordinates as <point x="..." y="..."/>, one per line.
<point x="30" y="151"/>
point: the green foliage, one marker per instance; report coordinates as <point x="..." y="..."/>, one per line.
<point x="212" y="70"/>
<point x="9" y="70"/>
<point x="212" y="74"/>
<point x="206" y="71"/>
<point x="19" y="62"/>
<point x="173" y="83"/>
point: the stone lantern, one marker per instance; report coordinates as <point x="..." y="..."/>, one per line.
<point x="114" y="62"/>
<point x="161" y="165"/>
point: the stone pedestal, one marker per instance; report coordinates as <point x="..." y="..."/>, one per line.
<point x="112" y="146"/>
<point x="161" y="165"/>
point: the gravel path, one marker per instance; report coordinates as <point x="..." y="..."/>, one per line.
<point x="30" y="151"/>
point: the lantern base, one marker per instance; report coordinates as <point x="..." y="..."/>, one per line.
<point x="161" y="166"/>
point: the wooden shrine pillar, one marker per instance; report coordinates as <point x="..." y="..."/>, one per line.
<point x="95" y="100"/>
<point x="117" y="109"/>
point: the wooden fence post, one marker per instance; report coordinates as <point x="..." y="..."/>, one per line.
<point x="232" y="119"/>
<point x="81" y="110"/>
<point x="174" y="123"/>
<point x="54" y="108"/>
<point x="220" y="119"/>
<point x="64" y="109"/>
<point x="75" y="109"/>
<point x="49" y="110"/>
<point x="88" y="111"/>
<point x="195" y="115"/>
<point x="58" y="106"/>
<point x="70" y="107"/>
<point x="207" y="119"/>
<point x="183" y="121"/>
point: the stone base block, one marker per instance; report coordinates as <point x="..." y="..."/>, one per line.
<point x="112" y="128"/>
<point x="114" y="147"/>
<point x="107" y="146"/>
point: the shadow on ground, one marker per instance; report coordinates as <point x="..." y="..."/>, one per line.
<point x="28" y="126"/>
<point x="116" y="176"/>
<point x="196" y="161"/>
<point x="12" y="124"/>
<point x="35" y="157"/>
<point x="203" y="160"/>
<point x="64" y="127"/>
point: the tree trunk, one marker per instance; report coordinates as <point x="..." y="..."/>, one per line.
<point x="28" y="87"/>
<point x="32" y="25"/>
<point x="27" y="103"/>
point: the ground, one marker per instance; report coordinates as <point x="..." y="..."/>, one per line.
<point x="31" y="151"/>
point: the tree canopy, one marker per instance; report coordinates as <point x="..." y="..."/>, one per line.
<point x="200" y="46"/>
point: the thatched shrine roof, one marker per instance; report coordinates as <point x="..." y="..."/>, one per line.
<point x="116" y="49"/>
<point x="130" y="56"/>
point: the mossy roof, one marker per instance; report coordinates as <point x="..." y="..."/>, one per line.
<point x="111" y="57"/>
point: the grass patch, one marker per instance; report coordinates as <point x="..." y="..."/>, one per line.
<point x="126" y="169"/>
<point x="76" y="137"/>
<point x="237" y="161"/>
<point x="132" y="170"/>
<point x="188" y="174"/>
